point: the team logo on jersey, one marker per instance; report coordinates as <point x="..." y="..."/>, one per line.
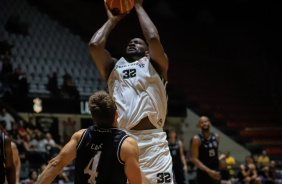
<point x="141" y="65"/>
<point x="215" y="143"/>
<point x="96" y="146"/>
<point x="212" y="153"/>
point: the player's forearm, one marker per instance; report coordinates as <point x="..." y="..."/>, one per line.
<point x="200" y="165"/>
<point x="50" y="172"/>
<point x="183" y="161"/>
<point x="148" y="28"/>
<point x="48" y="175"/>
<point x="100" y="37"/>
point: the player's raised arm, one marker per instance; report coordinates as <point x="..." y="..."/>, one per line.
<point x="101" y="57"/>
<point x="150" y="32"/>
<point x="66" y="155"/>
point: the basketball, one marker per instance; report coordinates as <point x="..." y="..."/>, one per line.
<point x="120" y="6"/>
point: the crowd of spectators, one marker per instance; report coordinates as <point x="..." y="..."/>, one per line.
<point x="257" y="169"/>
<point x="35" y="147"/>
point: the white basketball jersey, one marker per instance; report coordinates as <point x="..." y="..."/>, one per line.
<point x="138" y="92"/>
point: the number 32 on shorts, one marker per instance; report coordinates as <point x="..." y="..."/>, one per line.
<point x="164" y="177"/>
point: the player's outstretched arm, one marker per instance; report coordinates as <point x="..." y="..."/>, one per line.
<point x="66" y="155"/>
<point x="150" y="32"/>
<point x="101" y="57"/>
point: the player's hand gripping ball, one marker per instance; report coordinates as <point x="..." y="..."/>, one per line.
<point x="118" y="7"/>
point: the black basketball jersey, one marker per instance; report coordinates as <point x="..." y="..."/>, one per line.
<point x="175" y="153"/>
<point x="208" y="151"/>
<point x="2" y="157"/>
<point x="98" y="157"/>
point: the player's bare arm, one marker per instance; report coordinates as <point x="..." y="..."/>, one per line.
<point x="101" y="57"/>
<point x="17" y="161"/>
<point x="130" y="155"/>
<point x="156" y="51"/>
<point x="181" y="150"/>
<point x="66" y="155"/>
<point x="9" y="162"/>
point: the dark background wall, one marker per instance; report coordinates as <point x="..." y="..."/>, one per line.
<point x="191" y="31"/>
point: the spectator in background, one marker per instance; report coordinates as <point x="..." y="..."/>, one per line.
<point x="248" y="172"/>
<point x="61" y="178"/>
<point x="69" y="89"/>
<point x="224" y="172"/>
<point x="255" y="160"/>
<point x="53" y="86"/>
<point x="18" y="83"/>
<point x="52" y="147"/>
<point x="179" y="164"/>
<point x="36" y="151"/>
<point x="230" y="161"/>
<point x="263" y="159"/>
<point x="42" y="168"/>
<point x="21" y="130"/>
<point x="38" y="142"/>
<point x="19" y="137"/>
<point x="8" y="119"/>
<point x="272" y="172"/>
<point x="31" y="177"/>
<point x="5" y="74"/>
<point x="268" y="174"/>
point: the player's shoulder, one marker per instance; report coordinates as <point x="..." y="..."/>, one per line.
<point x="129" y="148"/>
<point x="130" y="141"/>
<point x="129" y="144"/>
<point x="7" y="138"/>
<point x="78" y="134"/>
<point x="13" y="145"/>
<point x="216" y="135"/>
<point x="195" y="138"/>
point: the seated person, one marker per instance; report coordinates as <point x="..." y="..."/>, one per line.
<point x="248" y="173"/>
